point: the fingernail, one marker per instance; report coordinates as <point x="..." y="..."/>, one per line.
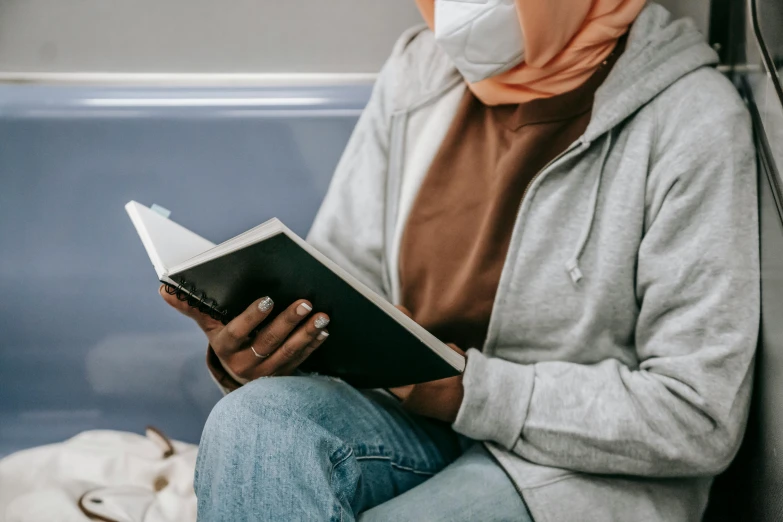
<point x="266" y="304"/>
<point x="321" y="322"/>
<point x="323" y="335"/>
<point x="303" y="309"/>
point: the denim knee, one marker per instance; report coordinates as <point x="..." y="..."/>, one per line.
<point x="278" y="431"/>
<point x="249" y="409"/>
<point x="257" y="419"/>
<point x="263" y="406"/>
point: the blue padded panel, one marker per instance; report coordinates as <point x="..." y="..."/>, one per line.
<point x="86" y="341"/>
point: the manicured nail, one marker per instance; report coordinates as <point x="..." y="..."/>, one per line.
<point x="303" y="309"/>
<point x="266" y="304"/>
<point x="323" y="335"/>
<point x="321" y="322"/>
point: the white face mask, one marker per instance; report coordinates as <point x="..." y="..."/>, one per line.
<point x="482" y="37"/>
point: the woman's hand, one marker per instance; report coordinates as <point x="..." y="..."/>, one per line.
<point x="439" y="399"/>
<point x="277" y="349"/>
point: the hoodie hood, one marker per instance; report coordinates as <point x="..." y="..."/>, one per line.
<point x="658" y="52"/>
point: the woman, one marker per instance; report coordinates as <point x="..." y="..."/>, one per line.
<point x="566" y="191"/>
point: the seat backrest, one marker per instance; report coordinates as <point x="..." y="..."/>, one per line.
<point x="108" y="355"/>
<point x="752" y="488"/>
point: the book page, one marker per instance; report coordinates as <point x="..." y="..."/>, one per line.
<point x="167" y="243"/>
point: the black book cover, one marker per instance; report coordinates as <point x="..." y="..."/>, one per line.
<point x="366" y="347"/>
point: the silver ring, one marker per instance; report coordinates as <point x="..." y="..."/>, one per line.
<point x="260" y="356"/>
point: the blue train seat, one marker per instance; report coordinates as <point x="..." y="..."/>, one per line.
<point x="86" y="341"/>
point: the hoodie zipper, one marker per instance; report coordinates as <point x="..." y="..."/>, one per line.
<point x="581" y="143"/>
<point x="573" y="146"/>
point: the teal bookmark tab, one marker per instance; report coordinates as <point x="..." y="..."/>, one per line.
<point x="161" y="210"/>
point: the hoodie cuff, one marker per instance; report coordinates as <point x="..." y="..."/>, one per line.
<point x="496" y="401"/>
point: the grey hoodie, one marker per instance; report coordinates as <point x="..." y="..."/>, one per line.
<point x="615" y="378"/>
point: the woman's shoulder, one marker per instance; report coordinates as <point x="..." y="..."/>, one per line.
<point x="700" y="98"/>
<point x="703" y="132"/>
<point x="700" y="118"/>
<point x="417" y="68"/>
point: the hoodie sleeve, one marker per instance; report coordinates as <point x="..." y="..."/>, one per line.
<point x="682" y="412"/>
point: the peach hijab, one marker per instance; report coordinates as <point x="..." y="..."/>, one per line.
<point x="565" y="41"/>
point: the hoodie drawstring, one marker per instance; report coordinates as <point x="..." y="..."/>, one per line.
<point x="572" y="265"/>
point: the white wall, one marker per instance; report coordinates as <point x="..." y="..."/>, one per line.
<point x="204" y="36"/>
<point x="699" y="10"/>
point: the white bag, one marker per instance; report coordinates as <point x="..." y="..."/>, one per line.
<point x="104" y="475"/>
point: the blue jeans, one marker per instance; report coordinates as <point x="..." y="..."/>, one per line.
<point x="314" y="448"/>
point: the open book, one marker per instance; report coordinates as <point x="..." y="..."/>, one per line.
<point x="370" y="344"/>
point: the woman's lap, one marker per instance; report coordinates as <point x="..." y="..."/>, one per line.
<point x="473" y="487"/>
<point x="313" y="447"/>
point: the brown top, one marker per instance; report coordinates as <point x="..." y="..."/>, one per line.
<point x="459" y="228"/>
